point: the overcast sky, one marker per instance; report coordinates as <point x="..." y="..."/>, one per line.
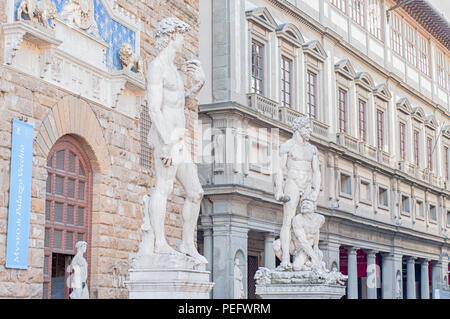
<point x="443" y="6"/>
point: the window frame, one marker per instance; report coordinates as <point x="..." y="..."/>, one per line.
<point x="290" y="62"/>
<point x="311" y="74"/>
<point x="342" y="110"/>
<point x="362" y="119"/>
<point x="254" y="78"/>
<point x="380" y="129"/>
<point x="402" y="142"/>
<point x="379" y="204"/>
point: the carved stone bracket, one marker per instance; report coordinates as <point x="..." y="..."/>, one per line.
<point x="17" y="32"/>
<point x="127" y="80"/>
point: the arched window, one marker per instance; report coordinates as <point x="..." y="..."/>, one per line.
<point x="68" y="209"/>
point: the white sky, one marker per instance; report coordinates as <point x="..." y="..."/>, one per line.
<point x="443" y="6"/>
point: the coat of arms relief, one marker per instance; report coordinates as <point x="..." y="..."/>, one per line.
<point x="81" y="14"/>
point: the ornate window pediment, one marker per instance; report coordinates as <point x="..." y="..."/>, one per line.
<point x="430" y="121"/>
<point x="446" y="131"/>
<point x="345" y="68"/>
<point x="262" y="17"/>
<point x="404" y="105"/>
<point x="418" y="114"/>
<point x="315" y="49"/>
<point x="381" y="91"/>
<point x="364" y="80"/>
<point x="291" y="34"/>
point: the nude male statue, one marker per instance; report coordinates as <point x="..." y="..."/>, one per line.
<point x="166" y="96"/>
<point x="299" y="166"/>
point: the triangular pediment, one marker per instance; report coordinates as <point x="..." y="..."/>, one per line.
<point x="381" y="91"/>
<point x="262" y="17"/>
<point x="364" y="80"/>
<point x="290" y="33"/>
<point x="431" y="122"/>
<point x="345" y="68"/>
<point x="418" y="114"/>
<point x="315" y="49"/>
<point x="404" y="106"/>
<point x="446" y="131"/>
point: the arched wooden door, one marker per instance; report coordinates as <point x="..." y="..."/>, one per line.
<point x="68" y="209"/>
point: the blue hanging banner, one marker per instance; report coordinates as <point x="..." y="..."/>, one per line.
<point x="19" y="196"/>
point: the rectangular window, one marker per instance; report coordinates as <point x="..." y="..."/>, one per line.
<point x="440" y="66"/>
<point x="383" y="197"/>
<point x="311" y="93"/>
<point x="380" y="129"/>
<point x="362" y="121"/>
<point x="346" y="184"/>
<point x="402" y="141"/>
<point x="416" y="148"/>
<point x="433" y="215"/>
<point x="423" y="55"/>
<point x="257" y="67"/>
<point x="286" y="81"/>
<point x="365" y="191"/>
<point x="410" y="45"/>
<point x="448" y="224"/>
<point x="429" y="153"/>
<point x="374" y="9"/>
<point x="405" y="204"/>
<point x="446" y="159"/>
<point x="419" y="209"/>
<point x="396" y="31"/>
<point x="342" y="102"/>
<point x="357" y="11"/>
<point x="340" y="4"/>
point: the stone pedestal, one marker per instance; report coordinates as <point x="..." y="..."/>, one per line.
<point x="288" y="284"/>
<point x="165" y="276"/>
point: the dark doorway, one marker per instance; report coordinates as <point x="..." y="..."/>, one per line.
<point x="59" y="276"/>
<point x="252" y="262"/>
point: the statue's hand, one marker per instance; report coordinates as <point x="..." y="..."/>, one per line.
<point x="194" y="67"/>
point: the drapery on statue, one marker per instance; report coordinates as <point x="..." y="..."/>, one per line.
<point x="166" y="97"/>
<point x="297" y="180"/>
<point x="238" y="283"/>
<point x="78" y="273"/>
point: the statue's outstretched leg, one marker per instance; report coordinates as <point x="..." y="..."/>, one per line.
<point x="188" y="177"/>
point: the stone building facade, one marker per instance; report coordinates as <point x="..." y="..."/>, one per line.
<point x="91" y="163"/>
<point x="378" y="95"/>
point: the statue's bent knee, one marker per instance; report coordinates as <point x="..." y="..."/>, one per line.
<point x="196" y="197"/>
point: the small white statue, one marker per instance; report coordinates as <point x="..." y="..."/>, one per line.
<point x="166" y="96"/>
<point x="128" y="59"/>
<point x="238" y="281"/>
<point x="298" y="177"/>
<point x="38" y="11"/>
<point x="78" y="273"/>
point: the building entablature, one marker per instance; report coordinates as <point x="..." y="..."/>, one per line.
<point x="325" y="143"/>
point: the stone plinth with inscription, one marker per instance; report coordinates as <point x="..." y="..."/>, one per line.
<point x="310" y="284"/>
<point x="168" y="276"/>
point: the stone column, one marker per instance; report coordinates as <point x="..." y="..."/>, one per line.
<point x="229" y="236"/>
<point x="424" y="284"/>
<point x="388" y="278"/>
<point x="269" y="253"/>
<point x="371" y="274"/>
<point x="208" y="248"/>
<point x="410" y="278"/>
<point x="352" y="283"/>
<point x="436" y="277"/>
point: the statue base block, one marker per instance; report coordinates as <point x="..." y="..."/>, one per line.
<point x="166" y="276"/>
<point x="289" y="284"/>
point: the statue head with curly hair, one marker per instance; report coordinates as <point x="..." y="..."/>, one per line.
<point x="303" y="126"/>
<point x="167" y="29"/>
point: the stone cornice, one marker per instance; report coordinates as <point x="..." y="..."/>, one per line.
<point x="329" y="146"/>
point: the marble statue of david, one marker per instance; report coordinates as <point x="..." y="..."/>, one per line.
<point x="166" y="97"/>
